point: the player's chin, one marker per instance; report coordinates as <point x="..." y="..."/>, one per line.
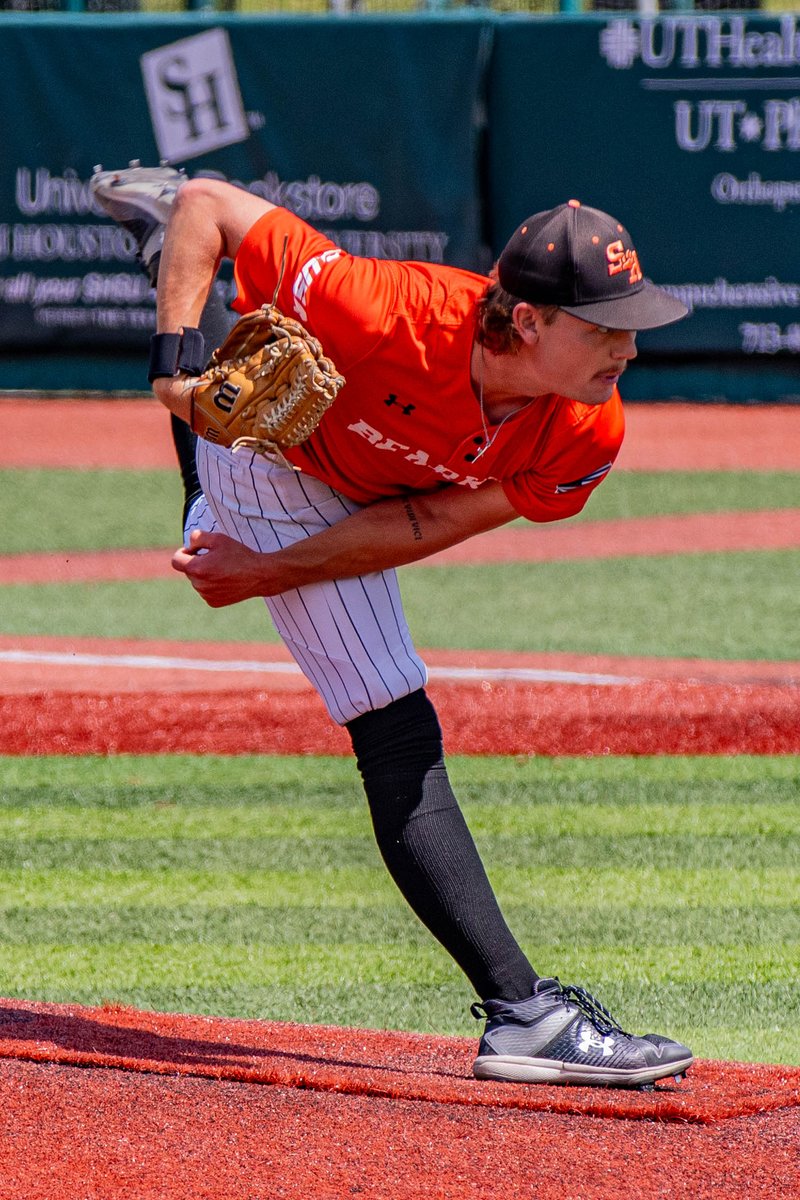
<point x="601" y="388"/>
<point x="596" y="396"/>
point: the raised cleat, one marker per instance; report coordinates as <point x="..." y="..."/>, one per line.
<point x="563" y="1035"/>
<point x="139" y="199"/>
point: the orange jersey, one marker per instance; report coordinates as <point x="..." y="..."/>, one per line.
<point x="407" y="419"/>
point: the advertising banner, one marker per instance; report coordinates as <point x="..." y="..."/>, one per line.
<point x="685" y="127"/>
<point x="420" y="137"/>
<point x="369" y="130"/>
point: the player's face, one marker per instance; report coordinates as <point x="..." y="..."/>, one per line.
<point x="578" y="359"/>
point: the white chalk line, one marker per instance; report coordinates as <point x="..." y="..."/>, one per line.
<point x="158" y="662"/>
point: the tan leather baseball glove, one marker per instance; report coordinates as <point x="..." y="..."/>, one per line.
<point x="266" y="388"/>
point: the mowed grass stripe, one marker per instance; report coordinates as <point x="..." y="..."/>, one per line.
<point x="282" y="925"/>
<point x="656" y="493"/>
<point x="532" y="817"/>
<point x="117" y="965"/>
<point x="685" y="824"/>
<point x="331" y="783"/>
<point x="626" y="888"/>
<point x="327" y="780"/>
<point x="310" y="854"/>
<point x="740" y="605"/>
<point x="90" y="510"/>
<point x="753" y="1018"/>
<point x="735" y="605"/>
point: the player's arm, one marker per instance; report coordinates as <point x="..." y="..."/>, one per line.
<point x="208" y="221"/>
<point x="388" y="533"/>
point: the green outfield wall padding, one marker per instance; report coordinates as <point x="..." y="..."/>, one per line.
<point x="426" y="136"/>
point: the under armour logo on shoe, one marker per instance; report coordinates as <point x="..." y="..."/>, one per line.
<point x="590" y="1040"/>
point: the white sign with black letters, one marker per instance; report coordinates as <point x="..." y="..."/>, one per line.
<point x="193" y="95"/>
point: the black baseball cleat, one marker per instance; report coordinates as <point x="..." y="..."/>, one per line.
<point x="139" y="199"/>
<point x="563" y="1035"/>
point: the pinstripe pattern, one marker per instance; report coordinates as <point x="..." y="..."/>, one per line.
<point x="349" y="637"/>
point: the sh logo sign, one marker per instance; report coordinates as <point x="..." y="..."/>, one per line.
<point x="193" y="95"/>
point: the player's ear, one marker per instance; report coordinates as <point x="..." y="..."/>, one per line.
<point x="527" y="321"/>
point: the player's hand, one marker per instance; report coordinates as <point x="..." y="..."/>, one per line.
<point x="220" y="569"/>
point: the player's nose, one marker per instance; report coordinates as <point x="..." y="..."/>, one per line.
<point x="624" y="344"/>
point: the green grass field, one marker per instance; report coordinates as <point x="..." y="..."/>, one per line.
<point x="725" y="606"/>
<point x="93" y="510"/>
<point x="252" y="886"/>
<point x="710" y="606"/>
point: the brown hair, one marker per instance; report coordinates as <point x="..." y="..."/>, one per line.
<point x="494" y="323"/>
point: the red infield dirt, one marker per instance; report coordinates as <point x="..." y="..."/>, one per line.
<point x="111" y="1103"/>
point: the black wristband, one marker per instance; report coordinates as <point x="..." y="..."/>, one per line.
<point x="174" y="354"/>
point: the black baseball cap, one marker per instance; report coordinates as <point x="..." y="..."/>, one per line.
<point x="584" y="261"/>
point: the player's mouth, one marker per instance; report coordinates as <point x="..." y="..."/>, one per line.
<point x="611" y="377"/>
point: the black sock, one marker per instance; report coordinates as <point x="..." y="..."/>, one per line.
<point x="428" y="849"/>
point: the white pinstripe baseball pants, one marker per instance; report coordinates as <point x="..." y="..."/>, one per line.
<point x="349" y="636"/>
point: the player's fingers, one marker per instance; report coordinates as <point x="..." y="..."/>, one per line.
<point x="202" y="539"/>
<point x="181" y="559"/>
<point x="191" y="559"/>
<point x="199" y="544"/>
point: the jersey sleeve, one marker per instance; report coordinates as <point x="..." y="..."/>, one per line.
<point x="581" y="454"/>
<point x="343" y="301"/>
